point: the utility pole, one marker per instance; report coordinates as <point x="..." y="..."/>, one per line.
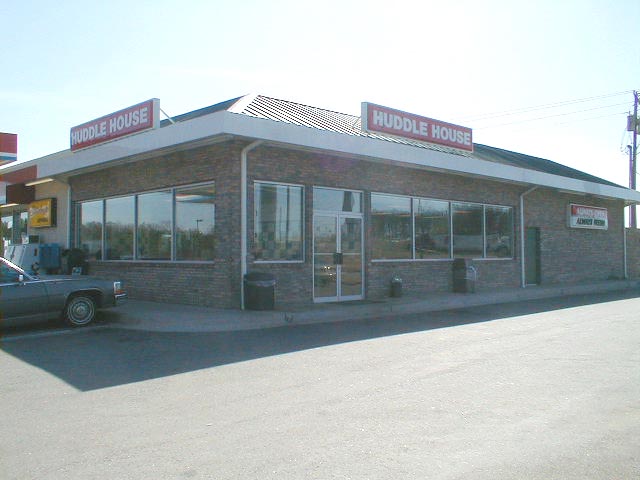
<point x="632" y="125"/>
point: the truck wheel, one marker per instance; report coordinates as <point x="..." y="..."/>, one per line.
<point x="80" y="311"/>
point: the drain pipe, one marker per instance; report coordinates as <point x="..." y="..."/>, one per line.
<point x="243" y="215"/>
<point x="523" y="280"/>
<point x="624" y="246"/>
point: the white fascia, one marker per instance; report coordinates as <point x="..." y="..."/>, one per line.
<point x="210" y="128"/>
<point x="389" y="152"/>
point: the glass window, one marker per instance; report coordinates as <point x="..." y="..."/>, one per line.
<point x="195" y="223"/>
<point x="22" y="225"/>
<point x="154" y="226"/>
<point x="467" y="230"/>
<point x="391" y="227"/>
<point x="431" y="228"/>
<point x="278" y="222"/>
<point x="8" y="274"/>
<point x="7" y="231"/>
<point x="119" y="223"/>
<point x="499" y="232"/>
<point x="90" y="231"/>
<point x="337" y="200"/>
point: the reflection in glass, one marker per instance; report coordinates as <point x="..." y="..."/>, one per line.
<point x="351" y="268"/>
<point x="332" y="200"/>
<point x="391" y="225"/>
<point x="7" y="231"/>
<point x="278" y="222"/>
<point x="431" y="228"/>
<point x="119" y="223"/>
<point x="499" y="232"/>
<point x="324" y="276"/>
<point x="467" y="230"/>
<point x="154" y="226"/>
<point x="324" y="246"/>
<point x="195" y="223"/>
<point x="24" y="221"/>
<point x="90" y="233"/>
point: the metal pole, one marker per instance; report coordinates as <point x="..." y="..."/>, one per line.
<point x="523" y="279"/>
<point x="633" y="223"/>
<point x="632" y="207"/>
<point x="243" y="215"/>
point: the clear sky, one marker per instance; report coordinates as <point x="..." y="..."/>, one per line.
<point x="466" y="62"/>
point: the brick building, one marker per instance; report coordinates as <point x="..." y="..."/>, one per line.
<point x="333" y="210"/>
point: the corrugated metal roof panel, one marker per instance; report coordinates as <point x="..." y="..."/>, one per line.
<point x="322" y="119"/>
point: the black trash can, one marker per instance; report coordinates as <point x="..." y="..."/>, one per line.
<point x="464" y="276"/>
<point x="259" y="291"/>
<point x="396" y="287"/>
<point x="77" y="262"/>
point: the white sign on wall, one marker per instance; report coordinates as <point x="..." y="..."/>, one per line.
<point x="582" y="216"/>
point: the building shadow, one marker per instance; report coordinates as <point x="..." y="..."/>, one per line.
<point x="105" y="357"/>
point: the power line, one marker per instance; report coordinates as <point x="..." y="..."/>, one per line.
<point x="564" y="103"/>
<point x="591" y="118"/>
<point x="552" y="116"/>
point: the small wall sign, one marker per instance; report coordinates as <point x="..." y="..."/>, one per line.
<point x="42" y="213"/>
<point x="583" y="216"/>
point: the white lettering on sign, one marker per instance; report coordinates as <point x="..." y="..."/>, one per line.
<point x="128" y="120"/>
<point x="125" y="122"/>
<point x="376" y="118"/>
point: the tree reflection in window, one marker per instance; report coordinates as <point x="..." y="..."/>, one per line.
<point x="195" y="223"/>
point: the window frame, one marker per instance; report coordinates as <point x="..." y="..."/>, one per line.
<point x="302" y="221"/>
<point x="512" y="237"/>
<point x="138" y="240"/>
<point x="450" y="203"/>
<point x="321" y="211"/>
<point x="411" y="226"/>
<point x="482" y="229"/>
<point x="135" y="195"/>
<point x="174" y="223"/>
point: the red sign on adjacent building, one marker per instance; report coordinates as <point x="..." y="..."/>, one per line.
<point x="8" y="148"/>
<point x="135" y="119"/>
<point x="376" y="118"/>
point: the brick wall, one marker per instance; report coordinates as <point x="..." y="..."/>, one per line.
<point x="633" y="253"/>
<point x="573" y="255"/>
<point x="568" y="255"/>
<point x="212" y="283"/>
<point x="322" y="170"/>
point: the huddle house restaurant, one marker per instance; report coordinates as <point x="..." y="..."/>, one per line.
<point x="334" y="206"/>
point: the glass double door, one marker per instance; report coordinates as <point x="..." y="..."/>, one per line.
<point x="337" y="257"/>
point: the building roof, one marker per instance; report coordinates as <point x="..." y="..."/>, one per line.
<point x="286" y="111"/>
<point x="269" y="120"/>
<point x="269" y="108"/>
<point x="516" y="159"/>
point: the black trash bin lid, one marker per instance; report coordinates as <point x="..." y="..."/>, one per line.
<point x="460" y="262"/>
<point x="259" y="277"/>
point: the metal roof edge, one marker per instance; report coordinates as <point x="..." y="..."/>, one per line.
<point x="242" y="103"/>
<point x="273" y="131"/>
<point x="223" y="122"/>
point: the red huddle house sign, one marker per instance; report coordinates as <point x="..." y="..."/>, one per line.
<point x="379" y="119"/>
<point x="8" y="148"/>
<point x="135" y="119"/>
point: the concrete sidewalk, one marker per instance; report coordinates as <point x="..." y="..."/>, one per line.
<point x="171" y="317"/>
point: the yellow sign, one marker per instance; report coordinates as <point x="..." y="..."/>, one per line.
<point x="42" y="213"/>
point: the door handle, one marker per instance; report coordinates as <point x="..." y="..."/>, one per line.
<point x="337" y="258"/>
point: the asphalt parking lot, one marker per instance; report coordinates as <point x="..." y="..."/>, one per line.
<point x="545" y="389"/>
